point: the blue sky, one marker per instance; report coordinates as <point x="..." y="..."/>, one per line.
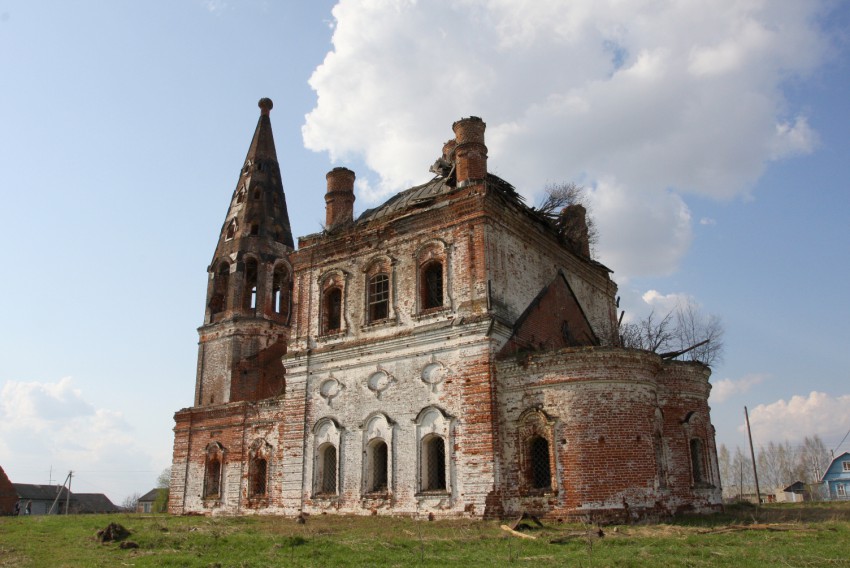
<point x="712" y="138"/>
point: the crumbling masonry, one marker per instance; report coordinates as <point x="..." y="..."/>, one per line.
<point x="448" y="352"/>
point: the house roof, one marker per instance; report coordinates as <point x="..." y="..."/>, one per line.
<point x="795" y="487"/>
<point x="150" y="496"/>
<point x="39" y="492"/>
<point x="838" y="472"/>
<point x="93" y="503"/>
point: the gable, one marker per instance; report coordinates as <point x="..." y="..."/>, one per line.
<point x="839" y="468"/>
<point x="553" y="320"/>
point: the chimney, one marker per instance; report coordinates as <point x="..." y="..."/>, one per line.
<point x="470" y="152"/>
<point x="339" y="200"/>
<point x="573" y="227"/>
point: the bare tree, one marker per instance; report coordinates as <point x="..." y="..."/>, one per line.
<point x="685" y="332"/>
<point x="130" y="502"/>
<point x="567" y="208"/>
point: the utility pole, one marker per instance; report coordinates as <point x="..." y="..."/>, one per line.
<point x="753" y="457"/>
<point x="59" y="494"/>
<point x="68" y="494"/>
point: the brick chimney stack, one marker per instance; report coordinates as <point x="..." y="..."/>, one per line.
<point x="339" y="200"/>
<point x="470" y="152"/>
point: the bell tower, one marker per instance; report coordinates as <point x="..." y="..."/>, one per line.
<point x="246" y="321"/>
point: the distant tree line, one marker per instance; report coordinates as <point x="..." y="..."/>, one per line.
<point x="778" y="465"/>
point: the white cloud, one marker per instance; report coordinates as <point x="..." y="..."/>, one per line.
<point x="817" y="413"/>
<point x="51" y="424"/>
<point x="641" y="103"/>
<point x="707" y="221"/>
<point x="724" y="389"/>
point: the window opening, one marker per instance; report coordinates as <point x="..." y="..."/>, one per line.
<point x="259" y="468"/>
<point x="379" y="297"/>
<point x="696" y="460"/>
<point x="212" y="479"/>
<point x="231" y="230"/>
<point x="840" y="490"/>
<point x="432" y="285"/>
<point x="434" y="464"/>
<point x="280" y="291"/>
<point x="255" y="229"/>
<point x="332" y="310"/>
<point x="541" y="476"/>
<point x="379" y="464"/>
<point x="327" y="477"/>
<point x="219" y="295"/>
<point x="250" y="299"/>
<point x="845" y="466"/>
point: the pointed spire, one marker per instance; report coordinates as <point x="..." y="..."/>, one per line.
<point x="258" y="206"/>
<point x="262" y="145"/>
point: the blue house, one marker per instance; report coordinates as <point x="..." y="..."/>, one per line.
<point x="837" y="477"/>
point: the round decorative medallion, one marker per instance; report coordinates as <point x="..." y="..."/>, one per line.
<point x="433" y="374"/>
<point x="378" y="382"/>
<point x="329" y="389"/>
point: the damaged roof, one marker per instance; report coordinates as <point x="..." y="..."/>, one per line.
<point x="421" y="196"/>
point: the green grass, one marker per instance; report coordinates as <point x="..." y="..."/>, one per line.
<point x="774" y="535"/>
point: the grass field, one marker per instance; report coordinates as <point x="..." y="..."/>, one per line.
<point x="774" y="535"/>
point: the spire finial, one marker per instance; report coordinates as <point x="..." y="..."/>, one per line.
<point x="265" y="105"/>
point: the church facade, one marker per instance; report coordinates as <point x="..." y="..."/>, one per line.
<point x="450" y="352"/>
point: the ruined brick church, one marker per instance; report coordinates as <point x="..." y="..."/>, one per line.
<point x="449" y="352"/>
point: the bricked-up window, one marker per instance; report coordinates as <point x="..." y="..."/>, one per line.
<point x="660" y="460"/>
<point x="218" y="301"/>
<point x="332" y="310"/>
<point x="378" y="462"/>
<point x="250" y="291"/>
<point x="327" y="473"/>
<point x="431" y="282"/>
<point x="540" y="473"/>
<point x="258" y="474"/>
<point x="212" y="480"/>
<point x="433" y="463"/>
<point x="696" y="461"/>
<point x="212" y="471"/>
<point x="379" y="297"/>
<point x="280" y="291"/>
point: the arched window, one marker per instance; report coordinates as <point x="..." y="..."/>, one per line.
<point x="280" y="291"/>
<point x="212" y="471"/>
<point x="540" y="474"/>
<point x="218" y="300"/>
<point x="697" y="461"/>
<point x="240" y="195"/>
<point x="327" y="473"/>
<point x="378" y="300"/>
<point x="249" y="301"/>
<point x="378" y="459"/>
<point x="433" y="453"/>
<point x="332" y="310"/>
<point x="431" y="285"/>
<point x="536" y="453"/>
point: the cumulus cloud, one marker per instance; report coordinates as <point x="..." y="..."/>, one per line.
<point x="817" y="413"/>
<point x="724" y="389"/>
<point x="641" y="103"/>
<point x="43" y="424"/>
